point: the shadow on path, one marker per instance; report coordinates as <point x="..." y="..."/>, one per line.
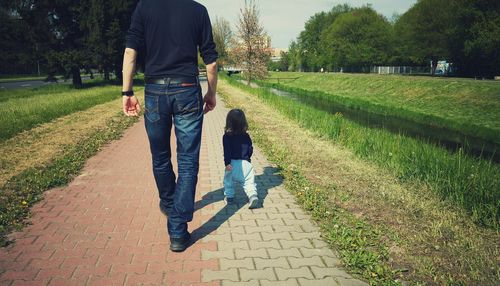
<point x="267" y="180"/>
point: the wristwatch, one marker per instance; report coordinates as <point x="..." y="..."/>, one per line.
<point x="128" y="93"/>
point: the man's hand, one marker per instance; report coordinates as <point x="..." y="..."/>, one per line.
<point x="131" y="106"/>
<point x="209" y="99"/>
<point x="229" y="168"/>
<point x="210" y="102"/>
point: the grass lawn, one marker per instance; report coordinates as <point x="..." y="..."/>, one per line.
<point x="23" y="109"/>
<point x="386" y="229"/>
<point x="11" y="78"/>
<point x="472" y="107"/>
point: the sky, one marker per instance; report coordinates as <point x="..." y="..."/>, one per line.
<point x="284" y="19"/>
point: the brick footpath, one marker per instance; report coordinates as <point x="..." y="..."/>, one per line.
<point x="105" y="228"/>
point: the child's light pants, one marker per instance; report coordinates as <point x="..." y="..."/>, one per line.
<point x="242" y="173"/>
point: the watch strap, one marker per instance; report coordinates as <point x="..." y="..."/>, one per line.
<point x="128" y="93"/>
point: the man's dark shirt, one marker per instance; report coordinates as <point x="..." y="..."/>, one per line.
<point x="237" y="147"/>
<point x="171" y="31"/>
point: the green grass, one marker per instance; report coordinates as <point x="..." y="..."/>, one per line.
<point x="25" y="189"/>
<point x="471" y="107"/>
<point x="12" y="78"/>
<point x="471" y="183"/>
<point x="23" y="109"/>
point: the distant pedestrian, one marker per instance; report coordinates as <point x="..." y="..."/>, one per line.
<point x="238" y="152"/>
<point x="171" y="32"/>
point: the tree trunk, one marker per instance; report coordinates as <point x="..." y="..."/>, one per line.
<point x="77" y="79"/>
<point x="118" y="73"/>
<point x="434" y="64"/>
<point x="106" y="74"/>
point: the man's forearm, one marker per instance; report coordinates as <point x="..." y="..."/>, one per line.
<point x="212" y="78"/>
<point x="129" y="60"/>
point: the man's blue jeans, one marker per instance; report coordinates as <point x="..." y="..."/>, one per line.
<point x="182" y="106"/>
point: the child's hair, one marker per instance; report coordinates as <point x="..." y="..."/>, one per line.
<point x="236" y="122"/>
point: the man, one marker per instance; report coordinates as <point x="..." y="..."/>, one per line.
<point x="171" y="32"/>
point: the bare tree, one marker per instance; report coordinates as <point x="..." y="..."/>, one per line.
<point x="251" y="50"/>
<point x="222" y="38"/>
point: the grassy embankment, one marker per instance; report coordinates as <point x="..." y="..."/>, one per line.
<point x="46" y="136"/>
<point x="412" y="227"/>
<point x="471" y="107"/>
<point x="471" y="183"/>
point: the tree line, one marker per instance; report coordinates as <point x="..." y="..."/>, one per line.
<point x="465" y="33"/>
<point x="63" y="36"/>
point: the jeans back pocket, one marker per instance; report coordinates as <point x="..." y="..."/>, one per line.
<point x="151" y="111"/>
<point x="189" y="102"/>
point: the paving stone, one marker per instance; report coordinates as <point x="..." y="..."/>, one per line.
<point x="229" y="230"/>
<point x="302" y="235"/>
<point x="234" y="223"/>
<point x="254" y="229"/>
<point x="323" y="252"/>
<point x="302" y="215"/>
<point x="311" y="261"/>
<point x="292" y="252"/>
<point x="242" y="253"/>
<point x="302" y="272"/>
<point x="322" y="272"/>
<point x="272" y="222"/>
<point x="309" y="228"/>
<point x="303" y="243"/>
<point x="252" y="216"/>
<point x="331" y="261"/>
<point x="236" y="263"/>
<point x="206" y="254"/>
<point x="246" y="237"/>
<point x="211" y="275"/>
<point x="233" y="245"/>
<point x="217" y="237"/>
<point x="267" y="209"/>
<point x="287" y="228"/>
<point x="289" y="282"/>
<point x="272" y="236"/>
<point x="328" y="281"/>
<point x="247" y="283"/>
<point x="264" y="244"/>
<point x="318" y="243"/>
<point x="260" y="274"/>
<point x="350" y="282"/>
<point x="281" y="262"/>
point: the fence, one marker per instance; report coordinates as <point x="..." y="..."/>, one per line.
<point x="400" y="70"/>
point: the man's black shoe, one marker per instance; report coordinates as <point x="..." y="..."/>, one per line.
<point x="180" y="244"/>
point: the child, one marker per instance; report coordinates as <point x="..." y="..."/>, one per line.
<point x="238" y="150"/>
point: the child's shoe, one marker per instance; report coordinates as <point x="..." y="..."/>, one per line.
<point x="229" y="200"/>
<point x="253" y="202"/>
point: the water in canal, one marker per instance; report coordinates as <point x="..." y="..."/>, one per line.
<point x="449" y="139"/>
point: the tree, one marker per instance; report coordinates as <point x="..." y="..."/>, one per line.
<point x="222" y="38"/>
<point x="295" y="57"/>
<point x="425" y="30"/>
<point x="252" y="48"/>
<point x="284" y="62"/>
<point x="105" y="24"/>
<point x="475" y="38"/>
<point x="358" y="38"/>
<point x="311" y="40"/>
